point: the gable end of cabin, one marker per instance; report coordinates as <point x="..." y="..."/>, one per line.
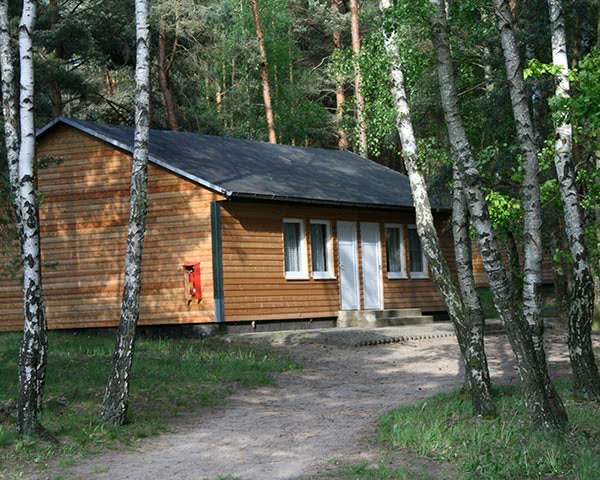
<point x="85" y="184"/>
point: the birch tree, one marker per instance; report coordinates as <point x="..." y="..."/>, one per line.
<point x="470" y="341"/>
<point x="21" y="156"/>
<point x="474" y="317"/>
<point x="9" y="111"/>
<point x="359" y="98"/>
<point x="530" y="192"/>
<point x="116" y="397"/>
<point x="543" y="403"/>
<point x="581" y="298"/>
<point x="264" y="72"/>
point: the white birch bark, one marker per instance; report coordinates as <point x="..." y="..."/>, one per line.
<point x="33" y="353"/>
<point x="9" y="110"/>
<point x="474" y="358"/>
<point x="542" y="402"/>
<point x="581" y="298"/>
<point x="532" y="212"/>
<point x="116" y="397"/>
<point x="474" y="320"/>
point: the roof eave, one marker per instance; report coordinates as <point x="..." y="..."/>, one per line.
<point x="287" y="198"/>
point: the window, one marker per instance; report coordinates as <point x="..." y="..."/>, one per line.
<point x="418" y="264"/>
<point x="395" y="251"/>
<point x="294" y="249"/>
<point x="321" y="248"/>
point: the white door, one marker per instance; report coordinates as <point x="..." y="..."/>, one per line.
<point x="348" y="256"/>
<point x="371" y="265"/>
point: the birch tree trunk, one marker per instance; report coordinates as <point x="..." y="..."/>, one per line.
<point x="164" y="67"/>
<point x="532" y="212"/>
<point x="264" y="72"/>
<point x="532" y="216"/>
<point x="544" y="405"/>
<point x="340" y="98"/>
<point x="363" y="147"/>
<point x="581" y="304"/>
<point x="473" y="356"/>
<point x="33" y="353"/>
<point x="9" y="112"/>
<point x="464" y="264"/>
<point x="116" y="397"/>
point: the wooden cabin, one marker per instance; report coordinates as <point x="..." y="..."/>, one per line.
<point x="237" y="231"/>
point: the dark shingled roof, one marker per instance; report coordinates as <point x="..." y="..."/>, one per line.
<point x="250" y="169"/>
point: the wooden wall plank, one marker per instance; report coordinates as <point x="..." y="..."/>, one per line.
<point x="254" y="281"/>
<point x="84" y="228"/>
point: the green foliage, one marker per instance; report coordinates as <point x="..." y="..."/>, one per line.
<point x="380" y="114"/>
<point x="169" y="377"/>
<point x="505" y="211"/>
<point x="535" y="68"/>
<point x="48" y="161"/>
<point x="444" y="429"/>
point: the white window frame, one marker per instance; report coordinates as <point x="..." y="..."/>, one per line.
<point x="302" y="274"/>
<point x="329" y="274"/>
<point x="425" y="272"/>
<point x="402" y="273"/>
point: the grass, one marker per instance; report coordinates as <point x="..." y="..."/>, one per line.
<point x="379" y="471"/>
<point x="443" y="428"/>
<point x="170" y="377"/>
<point x="549" y="309"/>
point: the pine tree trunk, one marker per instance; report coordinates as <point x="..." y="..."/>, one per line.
<point x="363" y="147"/>
<point x="474" y="358"/>
<point x="164" y="66"/>
<point x="545" y="407"/>
<point x="581" y="304"/>
<point x="55" y="90"/>
<point x="560" y="278"/>
<point x="264" y="72"/>
<point x="33" y="353"/>
<point x="116" y="397"/>
<point x="514" y="266"/>
<point x="340" y="97"/>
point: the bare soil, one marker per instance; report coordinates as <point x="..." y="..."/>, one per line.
<point x="312" y="421"/>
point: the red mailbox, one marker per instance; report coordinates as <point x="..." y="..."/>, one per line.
<point x="191" y="281"/>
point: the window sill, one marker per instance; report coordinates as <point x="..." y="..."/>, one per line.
<point x="397" y="276"/>
<point x="297" y="276"/>
<point x="323" y="276"/>
<point x="418" y="275"/>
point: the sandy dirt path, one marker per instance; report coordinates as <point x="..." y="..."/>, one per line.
<point x="293" y="430"/>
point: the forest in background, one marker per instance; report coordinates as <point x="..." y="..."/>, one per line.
<point x="206" y="78"/>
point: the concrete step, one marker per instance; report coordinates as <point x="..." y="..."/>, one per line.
<point x="401" y="321"/>
<point x="381" y="318"/>
<point x="398" y="313"/>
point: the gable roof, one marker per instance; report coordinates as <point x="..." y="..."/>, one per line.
<point x="248" y="169"/>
